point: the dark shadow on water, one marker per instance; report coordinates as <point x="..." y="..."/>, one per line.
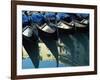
<point x="78" y="44"/>
<point x="50" y="41"/>
<point x="31" y="46"/>
<point x="83" y="39"/>
<point x="68" y="42"/>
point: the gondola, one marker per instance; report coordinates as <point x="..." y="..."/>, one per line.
<point x="72" y="27"/>
<point x="81" y="27"/>
<point x="65" y="27"/>
<point x="30" y="43"/>
<point x="81" y="21"/>
<point x="49" y="37"/>
<point x="47" y="32"/>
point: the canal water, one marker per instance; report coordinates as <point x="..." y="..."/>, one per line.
<point x="27" y="64"/>
<point x="77" y="47"/>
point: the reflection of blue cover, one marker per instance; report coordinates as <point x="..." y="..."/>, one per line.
<point x="38" y="18"/>
<point x="25" y="20"/>
<point x="50" y="18"/>
<point x="64" y="16"/>
<point x="82" y="15"/>
<point x="50" y="15"/>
